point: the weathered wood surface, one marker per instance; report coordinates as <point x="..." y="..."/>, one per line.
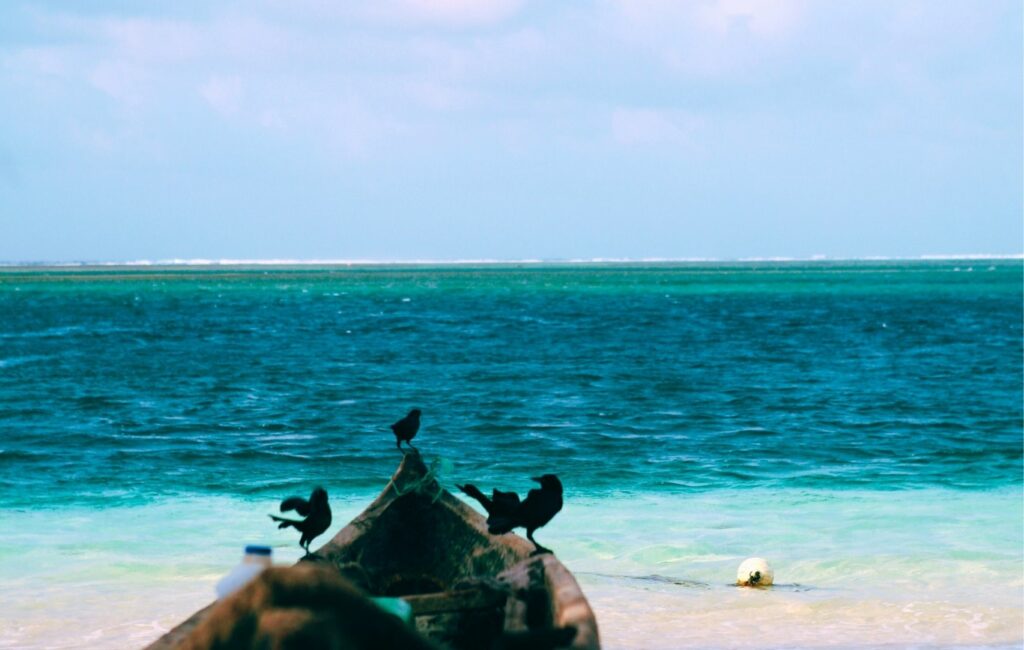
<point x="177" y="635"/>
<point x="300" y="608"/>
<point x="455" y="601"/>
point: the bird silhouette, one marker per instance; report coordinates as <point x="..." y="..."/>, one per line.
<point x="505" y="511"/>
<point x="317" y="513"/>
<point x="406" y="428"/>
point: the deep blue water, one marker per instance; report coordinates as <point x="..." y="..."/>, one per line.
<point x="124" y="385"/>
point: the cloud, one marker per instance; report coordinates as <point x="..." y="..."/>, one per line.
<point x="708" y="37"/>
<point x="644" y="126"/>
<point x="305" y="74"/>
<point x="762" y="19"/>
<point x="39" y="61"/>
<point x="539" y="97"/>
<point x="457" y="13"/>
<point x="440" y="96"/>
<point x="223" y="94"/>
<point x="121" y="80"/>
<point x="150" y="39"/>
<point x="395" y="76"/>
<point x="766" y="19"/>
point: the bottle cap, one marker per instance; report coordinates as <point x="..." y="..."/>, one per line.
<point x="257" y="550"/>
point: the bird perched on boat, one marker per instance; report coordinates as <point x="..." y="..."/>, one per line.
<point x="505" y="511"/>
<point x="406" y="428"/>
<point x="317" y="513"/>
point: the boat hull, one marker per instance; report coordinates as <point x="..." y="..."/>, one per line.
<point x="466" y="587"/>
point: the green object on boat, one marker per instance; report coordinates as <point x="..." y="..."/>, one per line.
<point x="396" y="606"/>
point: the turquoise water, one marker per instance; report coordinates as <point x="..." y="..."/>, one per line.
<point x="859" y="424"/>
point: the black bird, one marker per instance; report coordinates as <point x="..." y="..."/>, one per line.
<point x="317" y="513"/>
<point x="505" y="511"/>
<point x="406" y="428"/>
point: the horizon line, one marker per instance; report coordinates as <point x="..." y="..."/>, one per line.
<point x="232" y="262"/>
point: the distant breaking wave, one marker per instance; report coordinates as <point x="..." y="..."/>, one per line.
<point x="487" y="261"/>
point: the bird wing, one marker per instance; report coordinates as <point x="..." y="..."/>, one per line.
<point x="401" y="423"/>
<point x="540" y="506"/>
<point x="505" y="501"/>
<point x="298" y="504"/>
<point x="504" y="513"/>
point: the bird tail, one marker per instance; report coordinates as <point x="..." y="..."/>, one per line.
<point x="284" y="522"/>
<point x="471" y="490"/>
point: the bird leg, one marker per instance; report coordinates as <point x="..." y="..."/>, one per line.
<point x="539" y="550"/>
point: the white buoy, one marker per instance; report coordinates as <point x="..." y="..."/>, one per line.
<point x="755" y="572"/>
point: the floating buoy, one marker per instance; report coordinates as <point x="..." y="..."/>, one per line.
<point x="755" y="572"/>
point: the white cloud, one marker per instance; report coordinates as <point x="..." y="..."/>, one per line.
<point x="121" y="80"/>
<point x="440" y="96"/>
<point x="708" y="37"/>
<point x="644" y="126"/>
<point x="770" y="19"/>
<point x="429" y="13"/>
<point x="313" y="68"/>
<point x="460" y="13"/>
<point x="762" y="18"/>
<point x="152" y="40"/>
<point x="224" y="94"/>
<point x="270" y="118"/>
<point x="41" y="60"/>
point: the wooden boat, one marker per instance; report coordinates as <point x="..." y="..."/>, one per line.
<point x="466" y="587"/>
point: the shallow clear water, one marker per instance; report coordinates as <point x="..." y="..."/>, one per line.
<point x="857" y="424"/>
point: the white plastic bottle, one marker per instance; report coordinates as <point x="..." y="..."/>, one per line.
<point x="255" y="560"/>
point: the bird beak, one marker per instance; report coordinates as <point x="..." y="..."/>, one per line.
<point x="536" y="478"/>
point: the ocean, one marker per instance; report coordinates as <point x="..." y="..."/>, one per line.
<point x="858" y="424"/>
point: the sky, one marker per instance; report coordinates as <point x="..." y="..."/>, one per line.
<point x="510" y="129"/>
